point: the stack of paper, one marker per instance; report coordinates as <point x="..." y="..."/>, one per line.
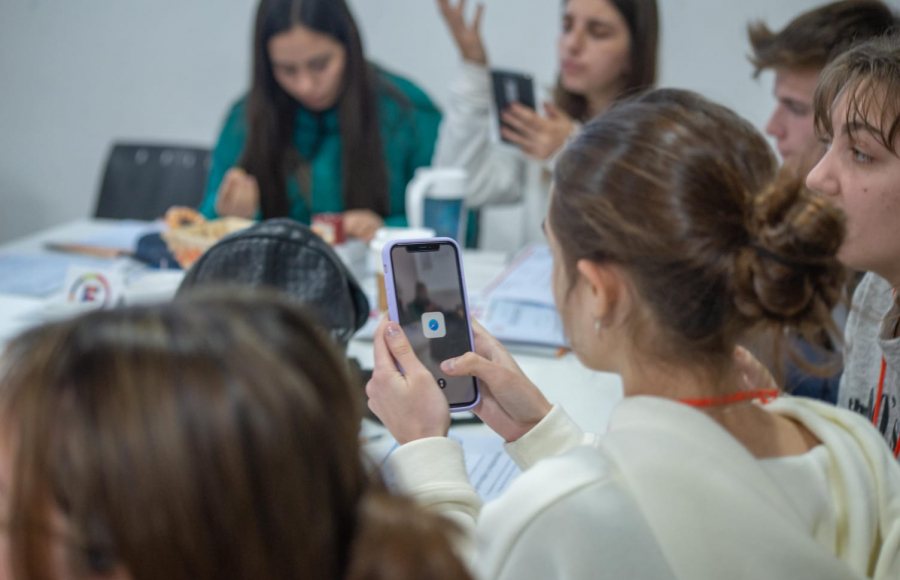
<point x="520" y="302"/>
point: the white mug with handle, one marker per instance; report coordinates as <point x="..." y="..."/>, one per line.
<point x="435" y="198"/>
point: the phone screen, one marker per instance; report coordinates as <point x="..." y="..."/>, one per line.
<point x="432" y="311"/>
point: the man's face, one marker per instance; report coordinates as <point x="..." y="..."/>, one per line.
<point x="792" y="122"/>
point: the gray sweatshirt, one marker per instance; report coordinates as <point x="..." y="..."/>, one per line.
<point x="869" y="337"/>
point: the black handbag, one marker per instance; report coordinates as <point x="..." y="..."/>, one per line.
<point x="286" y="255"/>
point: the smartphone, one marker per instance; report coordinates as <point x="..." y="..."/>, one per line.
<point x="511" y="87"/>
<point x="426" y="295"/>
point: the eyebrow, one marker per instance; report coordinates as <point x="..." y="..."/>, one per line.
<point x="856" y="126"/>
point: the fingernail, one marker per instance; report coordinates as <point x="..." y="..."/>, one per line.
<point x="449" y="365"/>
<point x="392" y="330"/>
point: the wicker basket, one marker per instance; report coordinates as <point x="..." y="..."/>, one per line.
<point x="188" y="243"/>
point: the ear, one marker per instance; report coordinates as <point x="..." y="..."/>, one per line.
<point x="606" y="284"/>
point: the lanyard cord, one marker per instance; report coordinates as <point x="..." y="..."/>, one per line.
<point x="880" y="393"/>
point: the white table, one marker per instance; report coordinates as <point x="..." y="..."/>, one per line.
<point x="588" y="396"/>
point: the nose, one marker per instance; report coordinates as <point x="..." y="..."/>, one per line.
<point x="822" y="179"/>
<point x="573" y="41"/>
<point x="775" y="126"/>
<point x="304" y="85"/>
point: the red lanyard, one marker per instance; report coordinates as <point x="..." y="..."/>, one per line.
<point x="878" y="400"/>
<point x="878" y="403"/>
<point x="763" y="395"/>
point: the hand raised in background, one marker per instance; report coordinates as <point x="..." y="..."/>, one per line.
<point x="238" y="195"/>
<point x="467" y="36"/>
<point x="538" y="137"/>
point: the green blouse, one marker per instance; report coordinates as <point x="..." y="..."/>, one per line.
<point x="408" y="132"/>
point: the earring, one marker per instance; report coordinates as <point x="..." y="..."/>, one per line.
<point x="598" y="326"/>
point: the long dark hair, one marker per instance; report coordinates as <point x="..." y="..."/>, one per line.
<point x="269" y="154"/>
<point x="212" y="438"/>
<point x="642" y="19"/>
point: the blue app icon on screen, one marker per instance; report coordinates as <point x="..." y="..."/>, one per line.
<point x="433" y="325"/>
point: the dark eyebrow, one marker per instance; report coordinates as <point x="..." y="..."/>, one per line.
<point x="855" y="126"/>
<point x="319" y="58"/>
<point x="600" y="22"/>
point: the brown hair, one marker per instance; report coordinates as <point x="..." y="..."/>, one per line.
<point x="680" y="193"/>
<point x="212" y="438"/>
<point x="817" y="36"/>
<point x="642" y="19"/>
<point x="869" y="75"/>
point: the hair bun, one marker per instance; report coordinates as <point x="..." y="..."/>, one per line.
<point x="789" y="272"/>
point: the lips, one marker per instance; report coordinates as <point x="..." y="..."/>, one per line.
<point x="570" y="67"/>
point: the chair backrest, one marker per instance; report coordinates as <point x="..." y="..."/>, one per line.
<point x="142" y="181"/>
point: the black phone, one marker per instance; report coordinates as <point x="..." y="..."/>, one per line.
<point x="512" y="87"/>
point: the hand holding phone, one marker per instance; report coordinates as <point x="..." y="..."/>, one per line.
<point x="410" y="404"/>
<point x="539" y="137"/>
<point x="511" y="405"/>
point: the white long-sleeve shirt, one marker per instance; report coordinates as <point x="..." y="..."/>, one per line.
<point x="498" y="173"/>
<point x="668" y="493"/>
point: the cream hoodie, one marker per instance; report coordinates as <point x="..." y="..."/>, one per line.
<point x="668" y="493"/>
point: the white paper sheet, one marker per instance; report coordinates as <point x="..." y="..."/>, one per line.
<point x="527" y="279"/>
<point x="489" y="467"/>
<point x="521" y="309"/>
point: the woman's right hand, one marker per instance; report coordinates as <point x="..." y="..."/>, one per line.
<point x="510" y="404"/>
<point x="238" y="195"/>
<point x="467" y="36"/>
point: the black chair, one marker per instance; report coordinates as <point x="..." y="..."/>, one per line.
<point x="142" y="181"/>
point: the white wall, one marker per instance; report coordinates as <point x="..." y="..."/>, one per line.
<point x="77" y="75"/>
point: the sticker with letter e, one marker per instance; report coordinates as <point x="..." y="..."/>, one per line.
<point x="433" y="325"/>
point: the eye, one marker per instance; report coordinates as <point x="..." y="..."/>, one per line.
<point x="285" y="70"/>
<point x="319" y="65"/>
<point x="599" y="31"/>
<point x="797" y="109"/>
<point x="567" y="24"/>
<point x="826" y="142"/>
<point x="861" y="157"/>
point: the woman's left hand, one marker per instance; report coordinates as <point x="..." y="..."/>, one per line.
<point x="538" y="137"/>
<point x="411" y="406"/>
<point x="362" y="224"/>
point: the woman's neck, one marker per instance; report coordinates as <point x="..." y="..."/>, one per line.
<point x="678" y="382"/>
<point x="763" y="434"/>
<point x="599" y="102"/>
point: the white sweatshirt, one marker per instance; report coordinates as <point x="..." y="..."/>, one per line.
<point x="498" y="173"/>
<point x="667" y="493"/>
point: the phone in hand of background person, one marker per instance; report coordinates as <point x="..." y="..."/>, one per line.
<point x="511" y="87"/>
